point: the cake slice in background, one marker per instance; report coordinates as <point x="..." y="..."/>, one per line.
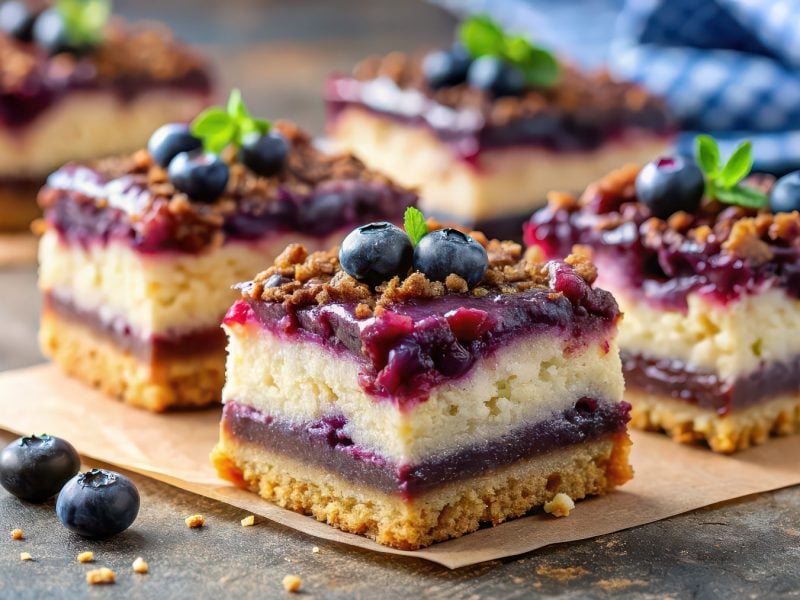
<point x="707" y="273"/>
<point x="138" y="253"/>
<point x="486" y="128"/>
<point x="454" y="385"/>
<point x="74" y="87"/>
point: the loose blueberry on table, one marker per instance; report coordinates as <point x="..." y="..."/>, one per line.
<point x="34" y="468"/>
<point x="98" y="504"/>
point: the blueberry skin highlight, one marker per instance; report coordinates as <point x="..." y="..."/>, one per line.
<point x="98" y="504"/>
<point x="444" y="68"/>
<point x="670" y="184"/>
<point x="34" y="468"/>
<point x="785" y="194"/>
<point x="17" y="19"/>
<point x="448" y="251"/>
<point x="202" y="177"/>
<point x="492" y="74"/>
<point x="376" y="252"/>
<point x="170" y="140"/>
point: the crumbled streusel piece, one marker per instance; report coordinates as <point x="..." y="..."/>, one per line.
<point x="292" y="583"/>
<point x="249" y="521"/>
<point x="17" y="534"/>
<point x="100" y="576"/>
<point x="25" y="556"/>
<point x="195" y="521"/>
<point x="85" y="557"/>
<point x="560" y="505"/>
<point x="140" y="566"/>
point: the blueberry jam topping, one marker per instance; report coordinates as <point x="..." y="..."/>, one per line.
<point x="17" y="19"/>
<point x="201" y="176"/>
<point x="449" y="251"/>
<point x="376" y="252"/>
<point x="170" y="140"/>
<point x="785" y="194"/>
<point x="98" y="504"/>
<point x="670" y="184"/>
<point x="34" y="468"/>
<point x="445" y="68"/>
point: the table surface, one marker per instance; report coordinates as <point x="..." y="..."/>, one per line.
<point x="278" y="53"/>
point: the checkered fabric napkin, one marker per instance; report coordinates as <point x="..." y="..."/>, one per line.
<point x="730" y="67"/>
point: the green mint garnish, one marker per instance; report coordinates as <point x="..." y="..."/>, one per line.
<point x="415" y="225"/>
<point x="219" y="128"/>
<point x="84" y="20"/>
<point x="481" y="36"/>
<point x="723" y="180"/>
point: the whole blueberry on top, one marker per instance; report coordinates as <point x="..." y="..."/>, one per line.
<point x="448" y="251"/>
<point x="444" y="68"/>
<point x="170" y="140"/>
<point x="376" y="252"/>
<point x="98" y="504"/>
<point x="34" y="468"/>
<point x="17" y="19"/>
<point x="201" y="176"/>
<point x="785" y="194"/>
<point x="264" y="154"/>
<point x="50" y="32"/>
<point x="494" y="75"/>
<point x="669" y="184"/>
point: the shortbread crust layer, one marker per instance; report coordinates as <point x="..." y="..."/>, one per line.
<point x="450" y="511"/>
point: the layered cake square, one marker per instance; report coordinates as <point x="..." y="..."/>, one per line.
<point x="74" y="87"/>
<point x="710" y="290"/>
<point x="485" y="137"/>
<point x="417" y="406"/>
<point x="138" y="253"/>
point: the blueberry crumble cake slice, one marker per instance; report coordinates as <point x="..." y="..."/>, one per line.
<point x="138" y="253"/>
<point x="485" y="131"/>
<point x="76" y="86"/>
<point x="707" y="273"/>
<point x="412" y="394"/>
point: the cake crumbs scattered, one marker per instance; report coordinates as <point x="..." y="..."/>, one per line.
<point x="292" y="583"/>
<point x="315" y="550"/>
<point x="249" y="521"/>
<point x="17" y="534"/>
<point x="561" y="573"/>
<point x="560" y="506"/>
<point x="85" y="557"/>
<point x="25" y="556"/>
<point x="100" y="576"/>
<point x="195" y="521"/>
<point x="140" y="566"/>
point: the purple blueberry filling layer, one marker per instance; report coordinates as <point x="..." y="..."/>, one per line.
<point x="465" y="130"/>
<point x="131" y="215"/>
<point x="416" y="345"/>
<point x="664" y="277"/>
<point x="326" y="444"/>
<point x="152" y="349"/>
<point x="675" y="379"/>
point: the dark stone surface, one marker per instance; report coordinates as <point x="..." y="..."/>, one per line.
<point x="749" y="548"/>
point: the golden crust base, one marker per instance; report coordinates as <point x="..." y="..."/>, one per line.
<point x="191" y="382"/>
<point x="736" y="431"/>
<point x="447" y="512"/>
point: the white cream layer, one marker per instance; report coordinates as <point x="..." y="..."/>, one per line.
<point x="727" y="339"/>
<point x="160" y="293"/>
<point x="526" y="382"/>
<point x="89" y="125"/>
<point x="508" y="182"/>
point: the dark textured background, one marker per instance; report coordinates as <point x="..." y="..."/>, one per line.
<point x="279" y="53"/>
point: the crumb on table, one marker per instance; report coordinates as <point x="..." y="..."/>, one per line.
<point x="100" y="576"/>
<point x="315" y="550"/>
<point x="25" y="556"/>
<point x="249" y="521"/>
<point x="292" y="583"/>
<point x="17" y="534"/>
<point x="85" y="557"/>
<point x="195" y="521"/>
<point x="560" y="506"/>
<point x="140" y="566"/>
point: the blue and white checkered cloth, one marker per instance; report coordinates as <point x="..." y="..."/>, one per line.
<point x="729" y="67"/>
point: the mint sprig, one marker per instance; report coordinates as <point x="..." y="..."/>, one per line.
<point x="482" y="36"/>
<point x="84" y="20"/>
<point x="415" y="225"/>
<point x="723" y="180"/>
<point x="219" y="128"/>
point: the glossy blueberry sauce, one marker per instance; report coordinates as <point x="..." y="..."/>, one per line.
<point x="466" y="132"/>
<point x="326" y="443"/>
<point x="666" y="275"/>
<point x="416" y="345"/>
<point x="133" y="216"/>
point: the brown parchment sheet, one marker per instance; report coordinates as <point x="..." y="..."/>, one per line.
<point x="174" y="448"/>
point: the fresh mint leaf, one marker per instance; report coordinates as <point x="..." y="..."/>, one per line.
<point x="219" y="128"/>
<point x="707" y="152"/>
<point x="737" y="166"/>
<point x="741" y="196"/>
<point x="415" y="225"/>
<point x="541" y="68"/>
<point x="84" y="20"/>
<point x="481" y="36"/>
<point x="236" y="107"/>
<point x="211" y="121"/>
